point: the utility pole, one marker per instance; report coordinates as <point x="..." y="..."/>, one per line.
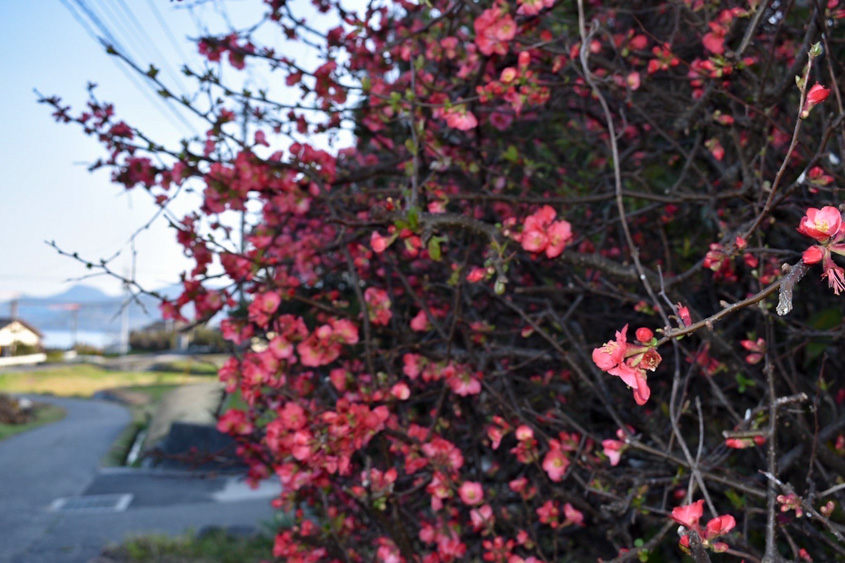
<point x="124" y="320"/>
<point x="74" y="319"/>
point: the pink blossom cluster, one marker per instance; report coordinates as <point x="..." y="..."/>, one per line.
<point x="629" y="361"/>
<point x="541" y="233"/>
<point x="378" y="306"/>
<point x="688" y="517"/>
<point x="550" y="514"/>
<point x="494" y="29"/>
<point x="825" y="226"/>
<point x="613" y="448"/>
<point x="212" y="48"/>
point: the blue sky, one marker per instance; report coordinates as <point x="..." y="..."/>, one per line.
<point x="46" y="192"/>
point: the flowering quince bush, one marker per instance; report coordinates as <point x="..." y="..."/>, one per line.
<point x="552" y="290"/>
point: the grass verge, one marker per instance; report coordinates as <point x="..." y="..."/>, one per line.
<point x="42" y="413"/>
<point x="212" y="546"/>
<point x="141" y="391"/>
<point x="83" y="380"/>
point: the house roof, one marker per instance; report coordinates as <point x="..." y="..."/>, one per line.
<point x="6" y="321"/>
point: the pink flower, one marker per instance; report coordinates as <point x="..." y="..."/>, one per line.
<point x="471" y="493"/>
<point x="464" y="383"/>
<point x="813" y="255"/>
<point x="757" y="348"/>
<point x="524" y="432"/>
<point x="834" y="274"/>
<point x="378" y="305"/>
<point x="612" y="352"/>
<point x="263" y="306"/>
<point x="559" y="235"/>
<point x="821" y="224"/>
<point x="401" y="391"/>
<point x="379" y="243"/>
<point x="743" y="443"/>
<point x="572" y="515"/>
<point x="688" y="515"/>
<point x="292" y="416"/>
<point x="715" y="40"/>
<point x="534" y="240"/>
<point x="720" y="525"/>
<point x="481" y="517"/>
<point x="611" y="358"/>
<point x="501" y="120"/>
<point x="493" y="31"/>
<point x="476" y="275"/>
<point x="234" y="422"/>
<point x="261" y="139"/>
<point x="716" y="148"/>
<point x="634" y="378"/>
<point x="644" y="334"/>
<point x="816" y="95"/>
<point x="533" y="7"/>
<point x="549" y="514"/>
<point x="555" y="464"/>
<point x="460" y="118"/>
<point x="613" y="448"/>
<point x="420" y="322"/>
<point x="683" y="313"/>
<point x="817" y="176"/>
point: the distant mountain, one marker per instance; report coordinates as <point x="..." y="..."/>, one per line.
<point x="96" y="311"/>
<point x="78" y="294"/>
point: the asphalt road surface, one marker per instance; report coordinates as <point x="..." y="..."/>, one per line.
<point x="61" y="461"/>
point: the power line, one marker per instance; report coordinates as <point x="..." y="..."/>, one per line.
<point x="107" y="39"/>
<point x="166" y="28"/>
<point x="145" y="39"/>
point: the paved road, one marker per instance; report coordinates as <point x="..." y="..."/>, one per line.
<point x="61" y="460"/>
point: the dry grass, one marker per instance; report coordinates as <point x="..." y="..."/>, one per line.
<point x="85" y="380"/>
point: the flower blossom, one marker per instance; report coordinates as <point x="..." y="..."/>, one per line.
<point x="816" y="95"/>
<point x="541" y="233"/>
<point x="688" y="517"/>
<point x="494" y="29"/>
<point x="629" y="362"/>
<point x="460" y="118"/>
<point x="613" y="448"/>
<point x="821" y="224"/>
<point x="825" y="226"/>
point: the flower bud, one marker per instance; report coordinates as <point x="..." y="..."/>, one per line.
<point x="644" y="335"/>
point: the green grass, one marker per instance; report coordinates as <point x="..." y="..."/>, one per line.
<point x="215" y="546"/>
<point x="141" y="391"/>
<point x="83" y="380"/>
<point x="189" y="367"/>
<point x="44" y="414"/>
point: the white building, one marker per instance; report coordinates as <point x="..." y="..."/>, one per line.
<point x="14" y="333"/>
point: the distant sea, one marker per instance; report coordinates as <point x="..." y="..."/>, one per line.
<point x="64" y="339"/>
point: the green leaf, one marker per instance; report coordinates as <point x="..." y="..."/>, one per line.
<point x="744" y="382"/>
<point x="153" y="72"/>
<point x="395" y="98"/>
<point x="413" y="218"/>
<point x="737" y="500"/>
<point x="434" y="248"/>
<point x="411" y="146"/>
<point x="511" y="154"/>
